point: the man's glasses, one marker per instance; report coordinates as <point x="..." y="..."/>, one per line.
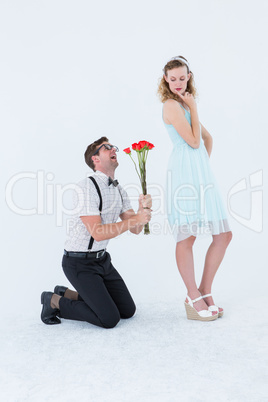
<point x="106" y="146"/>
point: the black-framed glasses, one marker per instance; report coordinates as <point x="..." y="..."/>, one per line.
<point x="108" y="147"/>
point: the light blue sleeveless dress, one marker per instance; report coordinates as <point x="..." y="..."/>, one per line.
<point x="194" y="201"/>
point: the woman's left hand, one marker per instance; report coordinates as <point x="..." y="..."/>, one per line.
<point x="188" y="99"/>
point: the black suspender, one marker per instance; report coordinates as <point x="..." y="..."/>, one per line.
<point x="98" y="191"/>
<point x="91" y="241"/>
<point x="100" y="207"/>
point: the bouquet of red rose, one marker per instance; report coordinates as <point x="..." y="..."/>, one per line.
<point x="142" y="148"/>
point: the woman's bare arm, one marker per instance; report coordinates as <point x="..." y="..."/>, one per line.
<point x="174" y="114"/>
<point x="208" y="140"/>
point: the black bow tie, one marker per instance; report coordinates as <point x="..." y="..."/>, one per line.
<point x="111" y="181"/>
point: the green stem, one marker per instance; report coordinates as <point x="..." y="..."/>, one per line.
<point x="142" y="157"/>
<point x="146" y="229"/>
<point x="135" y="166"/>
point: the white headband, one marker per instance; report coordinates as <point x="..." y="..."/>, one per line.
<point x="182" y="60"/>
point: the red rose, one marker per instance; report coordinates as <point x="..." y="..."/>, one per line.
<point x="127" y="150"/>
<point x="136" y="147"/>
<point x="151" y="146"/>
<point x="143" y="143"/>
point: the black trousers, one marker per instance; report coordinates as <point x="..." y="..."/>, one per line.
<point x="103" y="296"/>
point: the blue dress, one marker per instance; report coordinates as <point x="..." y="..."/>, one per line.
<point x="194" y="201"/>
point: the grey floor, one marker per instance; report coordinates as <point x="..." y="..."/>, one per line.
<point x="158" y="355"/>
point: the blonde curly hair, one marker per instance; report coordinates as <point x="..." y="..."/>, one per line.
<point x="164" y="92"/>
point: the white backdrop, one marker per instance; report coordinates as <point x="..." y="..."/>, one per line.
<point x="72" y="71"/>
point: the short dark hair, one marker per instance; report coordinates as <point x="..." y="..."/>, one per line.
<point x="91" y="149"/>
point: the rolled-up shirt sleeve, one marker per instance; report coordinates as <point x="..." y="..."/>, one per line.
<point x="126" y="205"/>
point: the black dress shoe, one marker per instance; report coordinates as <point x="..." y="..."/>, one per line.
<point x="60" y="290"/>
<point x="49" y="314"/>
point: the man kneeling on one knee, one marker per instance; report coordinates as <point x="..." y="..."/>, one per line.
<point x="101" y="297"/>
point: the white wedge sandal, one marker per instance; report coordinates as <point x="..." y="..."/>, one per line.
<point x="193" y="314"/>
<point x="213" y="307"/>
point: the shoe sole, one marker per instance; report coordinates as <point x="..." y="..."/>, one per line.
<point x="192" y="314"/>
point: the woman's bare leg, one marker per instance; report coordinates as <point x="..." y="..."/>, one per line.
<point x="185" y="263"/>
<point x="214" y="257"/>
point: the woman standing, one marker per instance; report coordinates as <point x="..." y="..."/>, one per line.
<point x="194" y="203"/>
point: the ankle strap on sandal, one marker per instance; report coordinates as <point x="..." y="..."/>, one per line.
<point x="195" y="300"/>
<point x="208" y="295"/>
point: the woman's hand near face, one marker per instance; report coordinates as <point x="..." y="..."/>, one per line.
<point x="188" y="99"/>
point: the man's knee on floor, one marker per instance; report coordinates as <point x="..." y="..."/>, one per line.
<point x="130" y="312"/>
<point x="111" y="321"/>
